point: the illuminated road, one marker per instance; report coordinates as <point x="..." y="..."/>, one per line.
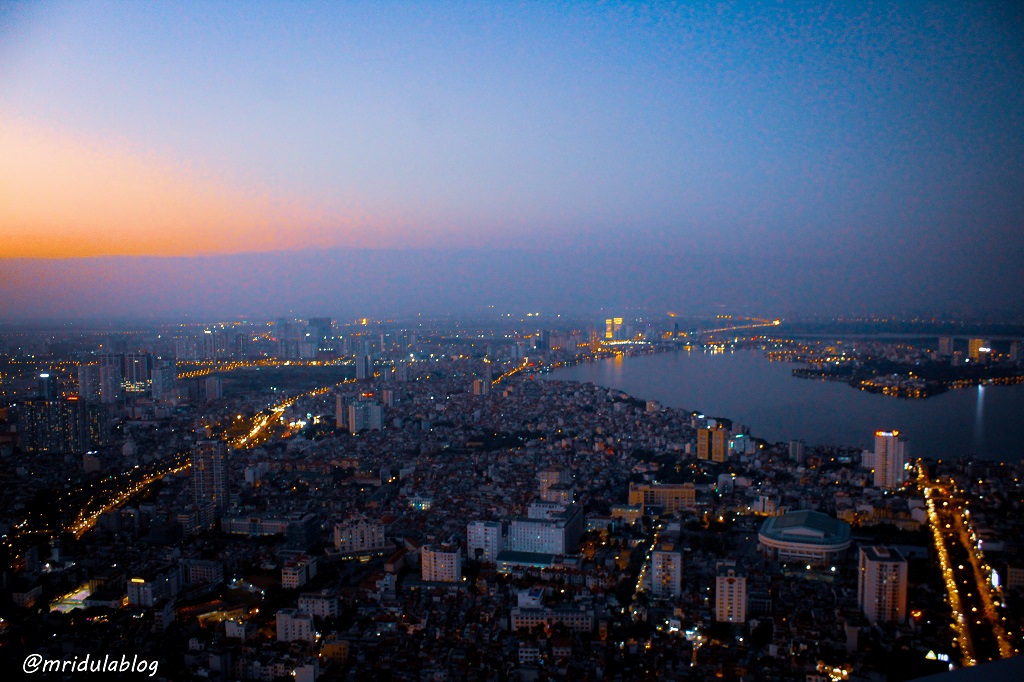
<point x="978" y="625"/>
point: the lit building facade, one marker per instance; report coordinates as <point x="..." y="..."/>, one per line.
<point x="441" y="563"/>
<point x="890" y="459"/>
<point x="730" y="593"/>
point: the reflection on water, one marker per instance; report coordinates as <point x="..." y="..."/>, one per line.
<point x="765" y="396"/>
<point x="979" y="420"/>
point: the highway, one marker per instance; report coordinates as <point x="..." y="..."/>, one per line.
<point x="978" y="625"/>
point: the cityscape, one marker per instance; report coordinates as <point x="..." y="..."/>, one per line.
<point x="318" y="499"/>
<point x="455" y="342"/>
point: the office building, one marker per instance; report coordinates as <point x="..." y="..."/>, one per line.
<point x="671" y="497"/>
<point x="890" y="459"/>
<point x="730" y="593"/>
<point x="441" y="563"/>
<point x="547" y="529"/>
<point x="882" y="584"/>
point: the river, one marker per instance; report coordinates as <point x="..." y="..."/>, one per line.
<point x="985" y="422"/>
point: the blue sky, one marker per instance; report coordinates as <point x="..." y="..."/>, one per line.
<point x="779" y="129"/>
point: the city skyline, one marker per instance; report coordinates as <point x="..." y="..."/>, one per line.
<point x="158" y="160"/>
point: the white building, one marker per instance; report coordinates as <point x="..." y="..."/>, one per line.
<point x="890" y="459"/>
<point x="154" y="586"/>
<point x="666" y="572"/>
<point x="549" y="529"/>
<point x="485" y="539"/>
<point x="441" y="563"/>
<point x="323" y="604"/>
<point x="882" y="584"/>
<point x="295" y="626"/>
<point x="298" y="572"/>
<point x="730" y="594"/>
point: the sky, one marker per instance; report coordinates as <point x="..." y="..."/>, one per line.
<point x="228" y="159"/>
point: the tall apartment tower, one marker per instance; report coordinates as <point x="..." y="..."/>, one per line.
<point x="712" y="444"/>
<point x="882" y="584"/>
<point x="730" y="593"/>
<point x="363" y="415"/>
<point x="89" y="382"/>
<point x="890" y="459"/>
<point x="210" y="479"/>
<point x="364" y="367"/>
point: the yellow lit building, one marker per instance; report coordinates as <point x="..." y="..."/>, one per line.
<point x="671" y="497"/>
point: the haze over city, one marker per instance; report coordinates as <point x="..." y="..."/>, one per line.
<point x="214" y="159"/>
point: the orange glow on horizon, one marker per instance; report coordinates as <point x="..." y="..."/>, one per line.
<point x="61" y="197"/>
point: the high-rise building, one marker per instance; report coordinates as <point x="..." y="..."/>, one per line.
<point x="110" y="378"/>
<point x="882" y="584"/>
<point x="1014" y="354"/>
<point x="89" y="382"/>
<point x="137" y="372"/>
<point x="712" y="443"/>
<point x="210" y="479"/>
<point x="730" y="593"/>
<point x="666" y="571"/>
<point x="441" y="563"/>
<point x="364" y="415"/>
<point x="65" y="425"/>
<point x="484" y="540"/>
<point x="890" y="459"/>
<point x="47" y="386"/>
<point x="364" y="367"/>
<point x="945" y="345"/>
<point x="214" y="388"/>
<point x="977" y="347"/>
<point x="165" y="381"/>
<point x="797" y="451"/>
<point x="321" y="330"/>
<point x="613" y="330"/>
